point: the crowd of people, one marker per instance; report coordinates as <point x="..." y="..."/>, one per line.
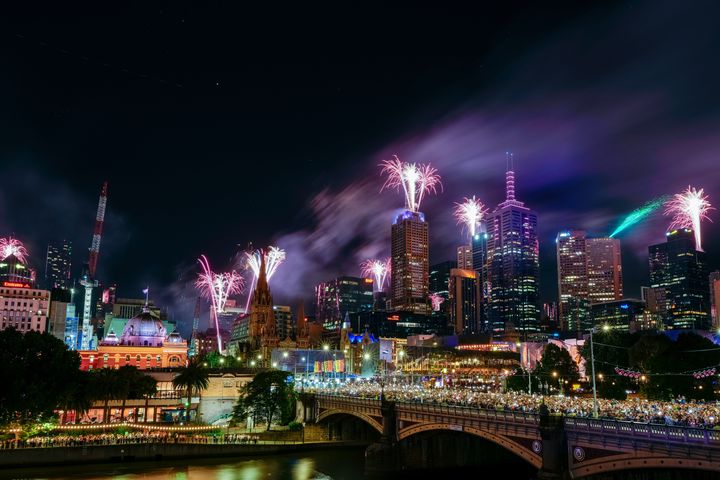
<point x="679" y="412"/>
<point x="125" y="439"/>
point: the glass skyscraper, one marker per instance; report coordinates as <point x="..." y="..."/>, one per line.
<point x="513" y="264"/>
<point x="679" y="275"/>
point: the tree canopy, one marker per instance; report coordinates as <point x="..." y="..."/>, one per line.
<point x="269" y="396"/>
<point x="37" y="375"/>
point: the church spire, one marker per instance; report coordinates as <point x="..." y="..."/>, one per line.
<point x="262" y="291"/>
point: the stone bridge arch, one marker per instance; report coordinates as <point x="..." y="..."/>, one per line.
<point x="325" y="414"/>
<point x="526" y="453"/>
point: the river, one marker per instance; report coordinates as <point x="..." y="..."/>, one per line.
<point x="345" y="464"/>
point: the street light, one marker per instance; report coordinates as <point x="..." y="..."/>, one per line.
<point x="605" y="328"/>
<point x="326" y="347"/>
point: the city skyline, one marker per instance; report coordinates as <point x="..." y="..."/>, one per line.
<point x="576" y="170"/>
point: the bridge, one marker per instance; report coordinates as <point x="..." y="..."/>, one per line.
<point x="557" y="446"/>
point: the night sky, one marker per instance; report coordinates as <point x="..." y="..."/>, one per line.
<point x="223" y="125"/>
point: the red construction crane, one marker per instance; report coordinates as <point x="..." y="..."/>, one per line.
<point x="97" y="233"/>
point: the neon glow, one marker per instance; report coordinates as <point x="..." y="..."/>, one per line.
<point x="469" y="213"/>
<point x="217" y="287"/>
<point x="689" y="209"/>
<point x="13" y="246"/>
<point x="416" y="180"/>
<point x="640" y="214"/>
<point x="274" y="257"/>
<point x="436" y="300"/>
<point x="377" y="269"/>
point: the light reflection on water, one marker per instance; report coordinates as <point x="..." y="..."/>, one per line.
<point x="329" y="465"/>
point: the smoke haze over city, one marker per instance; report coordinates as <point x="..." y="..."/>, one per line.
<point x="265" y="148"/>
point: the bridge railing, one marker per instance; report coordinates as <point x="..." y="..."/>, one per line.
<point x="471" y="412"/>
<point x="644" y="430"/>
<point x="440" y="409"/>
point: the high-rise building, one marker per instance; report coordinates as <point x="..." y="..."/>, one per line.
<point x="513" y="263"/>
<point x="410" y="265"/>
<point x="340" y="296"/>
<point x="572" y="275"/>
<point x="58" y="264"/>
<point x="23" y="307"/>
<point x="284" y="321"/>
<point x="715" y="298"/>
<point x="465" y="301"/>
<point x="57" y="315"/>
<point x="439" y="277"/>
<point x="465" y="257"/>
<point x="679" y="276"/>
<point x="604" y="269"/>
<point x="478" y="244"/>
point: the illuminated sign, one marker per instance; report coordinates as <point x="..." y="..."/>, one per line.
<point x="368" y="280"/>
<point x="16" y="285"/>
<point x="394" y="318"/>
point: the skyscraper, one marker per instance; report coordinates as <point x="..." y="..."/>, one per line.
<point x="410" y="252"/>
<point x="679" y="276"/>
<point x="604" y="269"/>
<point x="465" y="257"/>
<point x="513" y="263"/>
<point x="465" y="301"/>
<point x="340" y="296"/>
<point x="58" y="264"/>
<point x="572" y="265"/>
<point x="715" y="298"/>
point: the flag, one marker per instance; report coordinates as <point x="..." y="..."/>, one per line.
<point x="146" y="290"/>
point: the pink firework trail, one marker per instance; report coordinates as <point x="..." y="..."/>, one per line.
<point x="217" y="287"/>
<point x="274" y="256"/>
<point x="469" y="213"/>
<point x="377" y="269"/>
<point x="416" y="180"/>
<point x="12" y="246"/>
<point x="689" y="209"/>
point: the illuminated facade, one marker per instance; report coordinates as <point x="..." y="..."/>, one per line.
<point x="679" y="275"/>
<point x="340" y="296"/>
<point x="23" y="307"/>
<point x="572" y="276"/>
<point x="513" y="264"/>
<point x="604" y="269"/>
<point x="465" y="301"/>
<point x="144" y="343"/>
<point x="715" y="299"/>
<point x="409" y="251"/>
<point x="465" y="257"/>
<point x="58" y="264"/>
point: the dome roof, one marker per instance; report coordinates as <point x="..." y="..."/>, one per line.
<point x="144" y="324"/>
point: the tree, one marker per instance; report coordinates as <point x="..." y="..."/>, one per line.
<point x="105" y="386"/>
<point x="134" y="384"/>
<point x="556" y="365"/>
<point x="37" y="375"/>
<point x="268" y="396"/>
<point x="193" y="378"/>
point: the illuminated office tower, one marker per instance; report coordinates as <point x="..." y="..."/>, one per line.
<point x="410" y="265"/>
<point x="604" y="269"/>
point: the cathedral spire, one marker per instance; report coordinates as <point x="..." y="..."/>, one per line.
<point x="262" y="291"/>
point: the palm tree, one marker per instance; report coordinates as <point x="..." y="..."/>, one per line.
<point x="134" y="384"/>
<point x="193" y="378"/>
<point x="78" y="398"/>
<point x="105" y="385"/>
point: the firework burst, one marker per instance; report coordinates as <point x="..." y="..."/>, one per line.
<point x="436" y="301"/>
<point x="377" y="269"/>
<point x="416" y="180"/>
<point x="469" y="213"/>
<point x="689" y="209"/>
<point x="12" y="246"/>
<point x="274" y="256"/>
<point x="217" y="287"/>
